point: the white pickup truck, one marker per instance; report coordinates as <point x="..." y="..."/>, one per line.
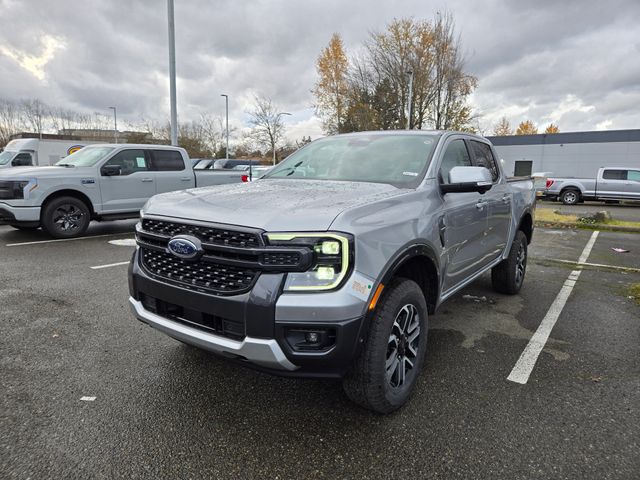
<point x="611" y="183"/>
<point x="99" y="182"/>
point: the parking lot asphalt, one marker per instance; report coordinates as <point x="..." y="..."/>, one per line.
<point x="165" y="410"/>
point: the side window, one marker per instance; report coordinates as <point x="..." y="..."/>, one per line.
<point x="614" y="174"/>
<point x="167" y="161"/>
<point x="456" y="155"/>
<point x="633" y="175"/>
<point x="22" y="160"/>
<point x="484" y="158"/>
<point x="129" y="161"/>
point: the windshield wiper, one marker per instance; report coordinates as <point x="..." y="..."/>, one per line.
<point x="65" y="165"/>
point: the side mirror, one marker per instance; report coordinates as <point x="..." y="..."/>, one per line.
<point x="468" y="179"/>
<point x="111" y="170"/>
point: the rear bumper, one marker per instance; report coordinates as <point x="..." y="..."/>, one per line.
<point x="262" y="323"/>
<point x="12" y="214"/>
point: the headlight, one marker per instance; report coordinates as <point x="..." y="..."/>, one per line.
<point x="332" y="257"/>
<point x="16" y="189"/>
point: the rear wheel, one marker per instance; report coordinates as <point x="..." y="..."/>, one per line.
<point x="65" y="217"/>
<point x="385" y="373"/>
<point x="508" y="275"/>
<point x="570" y="197"/>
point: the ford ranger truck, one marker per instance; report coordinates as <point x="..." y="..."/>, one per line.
<point x="330" y="264"/>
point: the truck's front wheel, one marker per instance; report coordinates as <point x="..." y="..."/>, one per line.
<point x="65" y="217"/>
<point x="385" y="373"/>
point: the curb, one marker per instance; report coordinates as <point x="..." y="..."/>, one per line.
<point x="594" y="226"/>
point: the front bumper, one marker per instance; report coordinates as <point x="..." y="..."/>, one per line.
<point x="266" y="316"/>
<point x="13" y="214"/>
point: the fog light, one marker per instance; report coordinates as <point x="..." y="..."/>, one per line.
<point x="312" y="337"/>
<point x="325" y="273"/>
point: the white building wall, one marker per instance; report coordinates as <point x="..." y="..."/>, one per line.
<point x="571" y="159"/>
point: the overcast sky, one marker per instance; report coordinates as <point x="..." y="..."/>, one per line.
<point x="575" y="63"/>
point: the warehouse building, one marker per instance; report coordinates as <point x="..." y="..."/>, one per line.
<point x="571" y="154"/>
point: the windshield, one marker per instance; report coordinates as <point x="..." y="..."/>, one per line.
<point x="6" y="156"/>
<point x="398" y="159"/>
<point x="85" y="157"/>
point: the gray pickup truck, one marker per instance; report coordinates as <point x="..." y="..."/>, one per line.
<point x="330" y="264"/>
<point x="611" y="183"/>
<point x="99" y="182"/>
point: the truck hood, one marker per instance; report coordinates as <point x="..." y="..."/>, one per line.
<point x="272" y="205"/>
<point x="38" y="172"/>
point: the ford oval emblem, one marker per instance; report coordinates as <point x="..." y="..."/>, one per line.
<point x="185" y="246"/>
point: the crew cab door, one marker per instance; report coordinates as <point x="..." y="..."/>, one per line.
<point x="170" y="171"/>
<point x="499" y="201"/>
<point x="619" y="183"/>
<point x="462" y="222"/>
<point x="128" y="190"/>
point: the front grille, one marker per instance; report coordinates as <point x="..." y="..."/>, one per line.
<point x="233" y="329"/>
<point x="216" y="236"/>
<point x="201" y="275"/>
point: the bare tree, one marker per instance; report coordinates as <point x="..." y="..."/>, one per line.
<point x="451" y="84"/>
<point x="10" y="121"/>
<point x="268" y="127"/>
<point x="34" y="112"/>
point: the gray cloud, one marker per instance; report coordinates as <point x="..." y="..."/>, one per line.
<point x="574" y="58"/>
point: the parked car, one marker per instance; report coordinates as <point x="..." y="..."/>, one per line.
<point x="226" y="164"/>
<point x="26" y="152"/>
<point x="611" y="183"/>
<point x="204" y="164"/>
<point x="99" y="182"/>
<point x="330" y="265"/>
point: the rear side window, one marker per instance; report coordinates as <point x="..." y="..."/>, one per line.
<point x="614" y="174"/>
<point x="484" y="158"/>
<point x="633" y="175"/>
<point x="456" y="155"/>
<point x="167" y="161"/>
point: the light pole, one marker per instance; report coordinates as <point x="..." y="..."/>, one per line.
<point x="115" y="125"/>
<point x="226" y="102"/>
<point x="172" y="73"/>
<point x="275" y="123"/>
<point x="410" y="73"/>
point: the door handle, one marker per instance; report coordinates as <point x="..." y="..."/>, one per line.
<point x="147" y="180"/>
<point x="506" y="198"/>
<point x="185" y="179"/>
<point x="480" y="205"/>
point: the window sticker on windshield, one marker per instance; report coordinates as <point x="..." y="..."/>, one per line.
<point x="410" y="174"/>
<point x="140" y="161"/>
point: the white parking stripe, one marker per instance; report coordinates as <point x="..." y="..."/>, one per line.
<point x="601" y="265"/>
<point x="65" y="239"/>
<point x="98" y="267"/>
<point x="524" y="366"/>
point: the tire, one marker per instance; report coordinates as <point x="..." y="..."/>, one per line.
<point x="26" y="228"/>
<point x="570" y="197"/>
<point x="508" y="276"/>
<point x="368" y="383"/>
<point x="66" y="217"/>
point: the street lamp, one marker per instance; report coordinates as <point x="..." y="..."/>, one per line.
<point x="278" y="117"/>
<point x="410" y="73"/>
<point x="172" y="73"/>
<point x="115" y="125"/>
<point x="226" y="101"/>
